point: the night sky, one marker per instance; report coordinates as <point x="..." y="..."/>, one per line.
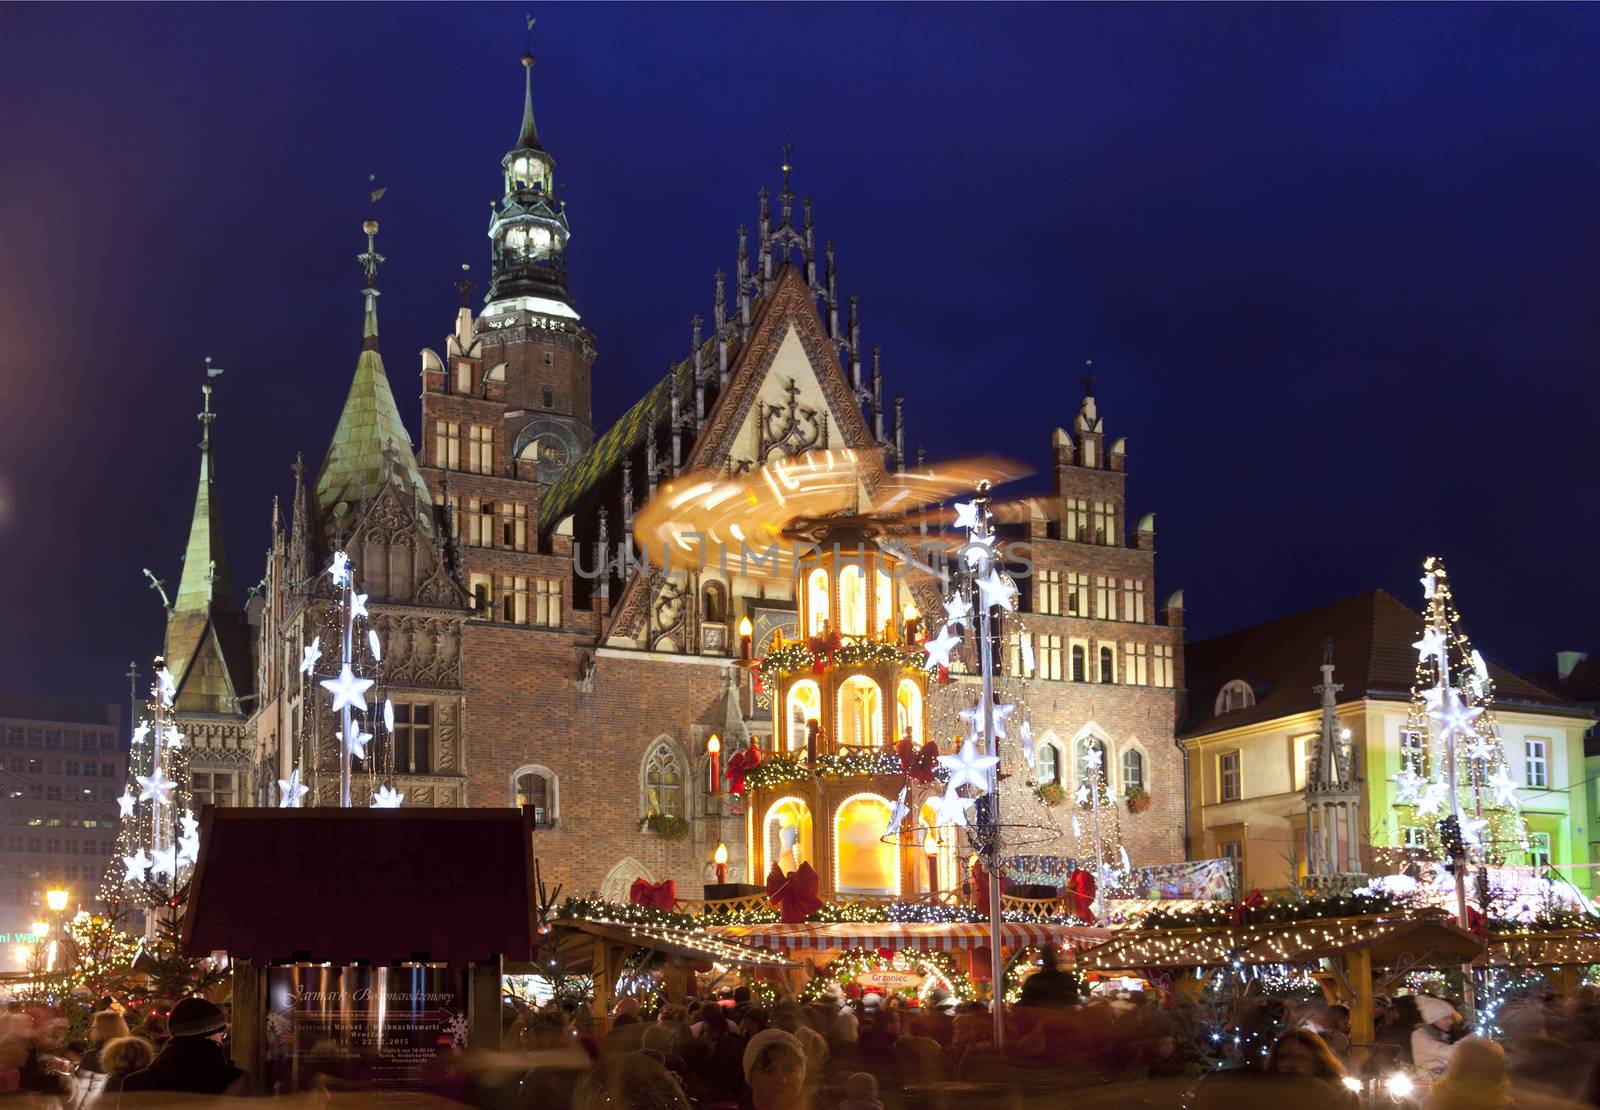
<point x="1335" y="265"/>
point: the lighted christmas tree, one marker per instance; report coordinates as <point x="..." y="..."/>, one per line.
<point x="1096" y="831"/>
<point x="1454" y="782"/>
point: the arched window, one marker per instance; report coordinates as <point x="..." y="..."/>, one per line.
<point x="943" y="875"/>
<point x="860" y="713"/>
<point x="1108" y="665"/>
<point x="535" y="786"/>
<point x="885" y="610"/>
<point x="852" y="601"/>
<point x="1079" y="666"/>
<point x="1234" y="696"/>
<point x="805" y="704"/>
<point x="1132" y="769"/>
<point x="1049" y="759"/>
<point x="713" y="603"/>
<point x="1096" y="762"/>
<point x="908" y="712"/>
<point x="864" y="863"/>
<point x="787" y="838"/>
<point x="816" y="601"/>
<point x="663" y="783"/>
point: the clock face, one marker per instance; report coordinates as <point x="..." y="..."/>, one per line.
<point x="549" y="444"/>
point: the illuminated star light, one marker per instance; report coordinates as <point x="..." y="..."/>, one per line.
<point x="978" y="552"/>
<point x="310" y="654"/>
<point x="999" y="715"/>
<point x="967" y="515"/>
<point x="1409" y="787"/>
<point x="940" y="647"/>
<point x="968" y="767"/>
<point x="1505" y="787"/>
<point x="372" y="642"/>
<point x="358" y="605"/>
<point x="174" y="737"/>
<point x="1025" y="642"/>
<point x="189" y="839"/>
<point x="291" y="790"/>
<point x="387" y="798"/>
<point x="951" y="809"/>
<point x="957" y="608"/>
<point x="1480" y="667"/>
<point x="1432" y="799"/>
<point x="126" y="803"/>
<point x="154" y="788"/>
<point x="165" y="861"/>
<point x="1472" y="830"/>
<point x="997" y="589"/>
<point x="1092" y="756"/>
<point x="388" y="714"/>
<point x="141" y="732"/>
<point x="1027" y="742"/>
<point x="340" y="569"/>
<point x="1429" y="583"/>
<point x="358" y="743"/>
<point x="136" y="865"/>
<point x="898" y="812"/>
<point x="1082" y="796"/>
<point x="1431" y="644"/>
<point x="347" y="689"/>
<point x="169" y="687"/>
<point x="1456" y="716"/>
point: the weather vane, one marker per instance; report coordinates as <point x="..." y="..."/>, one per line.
<point x="1089" y="377"/>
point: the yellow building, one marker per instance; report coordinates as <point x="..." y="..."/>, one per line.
<point x="1254" y="715"/>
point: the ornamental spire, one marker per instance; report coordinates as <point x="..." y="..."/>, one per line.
<point x="370" y="260"/>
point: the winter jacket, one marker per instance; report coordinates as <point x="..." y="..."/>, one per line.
<point x="193" y="1064"/>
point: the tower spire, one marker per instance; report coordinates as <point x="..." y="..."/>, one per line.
<point x="370" y="260"/>
<point x="528" y="137"/>
<point x="205" y="568"/>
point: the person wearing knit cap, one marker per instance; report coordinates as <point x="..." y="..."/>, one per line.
<point x="1431" y="1047"/>
<point x="775" y="1070"/>
<point x="193" y="1061"/>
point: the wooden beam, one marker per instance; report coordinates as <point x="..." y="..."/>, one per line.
<point x="1358" y="975"/>
<point x="483" y="1004"/>
<point x="249" y="1016"/>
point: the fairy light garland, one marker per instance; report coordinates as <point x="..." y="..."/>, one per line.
<point x="851" y="965"/>
<point x="794" y="658"/>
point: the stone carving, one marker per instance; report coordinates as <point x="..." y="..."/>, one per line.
<point x="791" y="428"/>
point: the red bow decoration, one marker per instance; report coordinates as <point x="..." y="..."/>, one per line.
<point x="917" y="764"/>
<point x="1080" y="893"/>
<point x="944" y="675"/>
<point x="794" y="894"/>
<point x="658" y="896"/>
<point x="739" y="766"/>
<point x="1477" y="923"/>
<point x="1252" y="902"/>
<point x="823" y="646"/>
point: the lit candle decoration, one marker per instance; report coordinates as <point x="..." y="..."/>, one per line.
<point x="912" y="616"/>
<point x="714" y="748"/>
<point x="744" y="637"/>
<point x="720" y="858"/>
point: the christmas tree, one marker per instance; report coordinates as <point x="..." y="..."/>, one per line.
<point x="1454" y="781"/>
<point x="1096" y="832"/>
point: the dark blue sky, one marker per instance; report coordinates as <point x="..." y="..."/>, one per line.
<point x="1336" y="264"/>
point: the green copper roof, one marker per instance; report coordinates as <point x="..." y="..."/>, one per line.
<point x="205" y="567"/>
<point x="354" y="466"/>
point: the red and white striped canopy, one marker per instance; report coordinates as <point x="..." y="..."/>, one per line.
<point x="949" y="937"/>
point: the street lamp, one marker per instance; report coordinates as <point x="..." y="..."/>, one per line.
<point x="56" y="900"/>
<point x="40" y="928"/>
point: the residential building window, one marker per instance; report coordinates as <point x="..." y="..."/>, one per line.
<point x="1413" y="751"/>
<point x="533" y="789"/>
<point x="413" y="738"/>
<point x="1233" y="852"/>
<point x="1303" y="752"/>
<point x="1132" y="769"/>
<point x="1135" y="665"/>
<point x="1105" y="523"/>
<point x="447" y="445"/>
<point x="73" y="767"/>
<point x="663" y="783"/>
<point x="1414" y="838"/>
<point x="1228" y="777"/>
<point x="1049" y="764"/>
<point x="1048" y="658"/>
<point x="1539" y="849"/>
<point x="1235" y="696"/>
<point x="1133" y="600"/>
<point x="514" y="527"/>
<point x="1047" y="592"/>
<point x="547" y="602"/>
<point x="1079" y="663"/>
<point x="1075" y="519"/>
<point x="480" y="448"/>
<point x="1105" y="598"/>
<point x="1108" y="664"/>
<point x="1078" y="594"/>
<point x="1537" y="766"/>
<point x="213" y="788"/>
<point x="514" y="600"/>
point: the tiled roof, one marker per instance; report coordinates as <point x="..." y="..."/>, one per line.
<point x="346" y="885"/>
<point x="1372" y="634"/>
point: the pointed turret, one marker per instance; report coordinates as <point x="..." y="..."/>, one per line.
<point x="354" y="467"/>
<point x="1333" y="795"/>
<point x="528" y="138"/>
<point x="205" y="567"/>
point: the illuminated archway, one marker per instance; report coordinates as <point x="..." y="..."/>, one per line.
<point x="908" y="711"/>
<point x="886" y="609"/>
<point x="852" y="601"/>
<point x="860" y="713"/>
<point x="786" y="834"/>
<point x="863" y="861"/>
<point x="944" y="839"/>
<point x="816" y="601"/>
<point x="803" y="704"/>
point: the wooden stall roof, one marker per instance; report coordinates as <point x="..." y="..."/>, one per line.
<point x="573" y="942"/>
<point x="386" y="886"/>
<point x="1392" y="940"/>
<point x="1551" y="948"/>
<point x="942" y="937"/>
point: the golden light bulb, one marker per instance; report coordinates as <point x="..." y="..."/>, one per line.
<point x="911" y="611"/>
<point x="721" y="854"/>
<point x="56" y="900"/>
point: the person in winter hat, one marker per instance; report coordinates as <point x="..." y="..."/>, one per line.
<point x="1431" y="1046"/>
<point x="193" y="1061"/>
<point x="775" y="1071"/>
<point x="861" y="1092"/>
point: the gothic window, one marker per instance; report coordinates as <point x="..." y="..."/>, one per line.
<point x="852" y="601"/>
<point x="816" y="601"/>
<point x="1075" y="522"/>
<point x="480" y="448"/>
<point x="447" y="445"/>
<point x="514" y="527"/>
<point x="1132" y="769"/>
<point x="1133" y="600"/>
<point x="413" y="738"/>
<point x="1108" y="665"/>
<point x="211" y="788"/>
<point x="1233" y="697"/>
<point x="1077" y="594"/>
<point x="1105" y="597"/>
<point x="514" y="599"/>
<point x="1135" y="669"/>
<point x="481" y="588"/>
<point x="1048" y="660"/>
<point x="1163" y="668"/>
<point x="908" y="700"/>
<point x="713" y="603"/>
<point x="1105" y="522"/>
<point x="1080" y="667"/>
<point x="463" y="377"/>
<point x="535" y="786"/>
<point x="663" y="783"/>
<point x="1049" y="758"/>
<point x="805" y="704"/>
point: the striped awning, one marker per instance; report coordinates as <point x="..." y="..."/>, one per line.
<point x="951" y="937"/>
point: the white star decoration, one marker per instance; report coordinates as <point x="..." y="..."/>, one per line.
<point x="358" y="605"/>
<point x="358" y="743"/>
<point x="1092" y="757"/>
<point x="1027" y="742"/>
<point x="978" y="552"/>
<point x="1456" y="715"/>
<point x="968" y="767"/>
<point x="387" y="798"/>
<point x="1432" y="799"/>
<point x="957" y="608"/>
<point x="1472" y="830"/>
<point x="189" y="839"/>
<point x="897" y="812"/>
<point x="1001" y="712"/>
<point x="388" y="714"/>
<point x="1025" y="645"/>
<point x="951" y="809"/>
<point x="340" y="569"/>
<point x="141" y="732"/>
<point x="291" y="790"/>
<point x="1428" y="584"/>
<point x="174" y="737"/>
<point x="372" y="642"/>
<point x="1431" y="645"/>
<point x="1082" y="796"/>
<point x="154" y="788"/>
<point x="125" y="804"/>
<point x="169" y="688"/>
<point x="347" y="689"/>
<point x="136" y="865"/>
<point x="1409" y="787"/>
<point x="967" y="515"/>
<point x="310" y="654"/>
<point x="940" y="647"/>
<point x="997" y="589"/>
<point x="1505" y="787"/>
<point x="165" y="861"/>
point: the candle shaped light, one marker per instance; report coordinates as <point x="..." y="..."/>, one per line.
<point x="720" y="858"/>
<point x="930" y="845"/>
<point x="911" y="618"/>
<point x="714" y="749"/>
<point x="745" y="632"/>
